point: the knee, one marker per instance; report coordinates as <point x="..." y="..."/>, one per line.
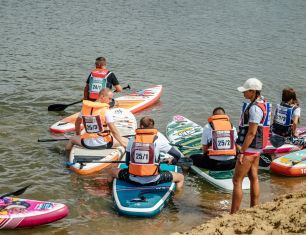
<point x="237" y="181"/>
<point x="177" y="177"/>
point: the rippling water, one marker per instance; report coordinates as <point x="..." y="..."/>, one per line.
<point x="199" y="50"/>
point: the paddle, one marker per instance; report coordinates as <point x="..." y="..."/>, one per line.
<point x="185" y="146"/>
<point x="15" y="193"/>
<point x="278" y="141"/>
<point x="51" y="140"/>
<point x="96" y="161"/>
<point x="61" y="107"/>
<point x="54" y="140"/>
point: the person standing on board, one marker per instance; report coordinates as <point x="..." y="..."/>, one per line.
<point x="218" y="143"/>
<point x="253" y="136"/>
<point x="142" y="157"/>
<point x="287" y="115"/>
<point x="98" y="79"/>
<point x="99" y="125"/>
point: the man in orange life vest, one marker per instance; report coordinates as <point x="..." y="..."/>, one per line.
<point x="253" y="136"/>
<point x="98" y="123"/>
<point x="218" y="143"/>
<point x="98" y="79"/>
<point x="142" y="157"/>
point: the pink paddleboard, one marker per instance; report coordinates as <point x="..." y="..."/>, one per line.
<point x="21" y="213"/>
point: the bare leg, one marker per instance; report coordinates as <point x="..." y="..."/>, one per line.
<point x="178" y="179"/>
<point x="240" y="172"/>
<point x="253" y="176"/>
<point x="74" y="140"/>
<point x="113" y="173"/>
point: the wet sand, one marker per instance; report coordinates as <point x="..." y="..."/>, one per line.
<point x="284" y="215"/>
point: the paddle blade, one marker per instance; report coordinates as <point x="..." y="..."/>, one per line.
<point x="15" y="193"/>
<point x="277" y="140"/>
<point x="61" y="107"/>
<point x="57" y="107"/>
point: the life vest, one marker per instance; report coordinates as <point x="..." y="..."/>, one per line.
<point x="260" y="140"/>
<point x="223" y="140"/>
<point x="97" y="81"/>
<point x="282" y="122"/>
<point x="142" y="158"/>
<point x="93" y="115"/>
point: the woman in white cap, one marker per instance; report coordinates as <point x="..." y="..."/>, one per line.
<point x="253" y="136"/>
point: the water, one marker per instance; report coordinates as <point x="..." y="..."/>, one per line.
<point x="199" y="50"/>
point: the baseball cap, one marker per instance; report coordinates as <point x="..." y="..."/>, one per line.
<point x="251" y="84"/>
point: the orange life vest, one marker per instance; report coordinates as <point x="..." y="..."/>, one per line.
<point x="142" y="159"/>
<point x="97" y="81"/>
<point x="93" y="115"/>
<point x="223" y="140"/>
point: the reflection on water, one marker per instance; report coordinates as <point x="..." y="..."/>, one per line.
<point x="199" y="51"/>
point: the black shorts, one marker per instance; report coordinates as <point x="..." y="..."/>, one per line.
<point x="211" y="164"/>
<point x="165" y="176"/>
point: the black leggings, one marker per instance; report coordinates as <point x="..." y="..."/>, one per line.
<point x="202" y="161"/>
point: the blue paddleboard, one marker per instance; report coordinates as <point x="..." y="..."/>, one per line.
<point x="142" y="201"/>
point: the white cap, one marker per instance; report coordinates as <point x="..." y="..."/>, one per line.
<point x="251" y="84"/>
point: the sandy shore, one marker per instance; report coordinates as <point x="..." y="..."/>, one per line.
<point x="284" y="215"/>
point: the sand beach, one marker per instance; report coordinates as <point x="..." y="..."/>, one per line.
<point x="286" y="214"/>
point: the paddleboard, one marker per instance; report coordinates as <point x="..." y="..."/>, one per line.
<point x="22" y="213"/>
<point x="126" y="124"/>
<point x="139" y="200"/>
<point x="270" y="153"/>
<point x="292" y="164"/>
<point x="134" y="102"/>
<point x="182" y="131"/>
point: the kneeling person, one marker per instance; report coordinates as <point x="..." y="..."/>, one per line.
<point x="99" y="125"/>
<point x="142" y="157"/>
<point x="218" y="143"/>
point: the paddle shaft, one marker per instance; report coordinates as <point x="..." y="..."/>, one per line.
<point x="185" y="146"/>
<point x="51" y="140"/>
<point x="97" y="161"/>
<point x="54" y="140"/>
<point x="61" y="107"/>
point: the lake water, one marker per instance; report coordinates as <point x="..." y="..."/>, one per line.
<point x="201" y="51"/>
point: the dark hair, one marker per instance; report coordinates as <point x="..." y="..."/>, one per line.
<point x="289" y="94"/>
<point x="101" y="59"/>
<point x="146" y="122"/>
<point x="218" y="110"/>
<point x="257" y="94"/>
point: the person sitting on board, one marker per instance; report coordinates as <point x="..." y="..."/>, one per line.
<point x="98" y="79"/>
<point x="142" y="157"/>
<point x="98" y="123"/>
<point x="218" y="143"/>
<point x="287" y="115"/>
<point x="253" y="134"/>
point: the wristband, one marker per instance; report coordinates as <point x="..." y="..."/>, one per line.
<point x="239" y="152"/>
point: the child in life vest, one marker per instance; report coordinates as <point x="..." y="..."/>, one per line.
<point x="142" y="157"/>
<point x="287" y="115"/>
<point x="218" y="143"/>
<point x="99" y="125"/>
